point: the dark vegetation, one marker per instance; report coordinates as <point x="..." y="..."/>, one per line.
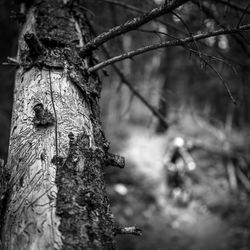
<point x="198" y="92"/>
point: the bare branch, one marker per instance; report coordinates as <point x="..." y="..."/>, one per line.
<point x="133" y="89"/>
<point x="11" y="61"/>
<point x="206" y="10"/>
<point x="198" y="52"/>
<point x="218" y="74"/>
<point x="128" y="230"/>
<point x="188" y="30"/>
<point x="136" y="93"/>
<point x="115" y="160"/>
<point x="131" y="25"/>
<point x="212" y="58"/>
<point x="224" y="83"/>
<point x="135" y="9"/>
<point x="177" y="42"/>
<point x="140" y="11"/>
<point x="210" y="14"/>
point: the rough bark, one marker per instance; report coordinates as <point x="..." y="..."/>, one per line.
<point x="56" y="195"/>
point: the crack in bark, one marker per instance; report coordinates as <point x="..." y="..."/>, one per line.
<point x="55" y="114"/>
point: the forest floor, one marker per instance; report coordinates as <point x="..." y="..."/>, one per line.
<point x="214" y="217"/>
<point x="191" y="228"/>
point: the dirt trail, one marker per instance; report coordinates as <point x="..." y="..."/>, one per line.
<point x="190" y="228"/>
<point x="207" y="230"/>
<point x="166" y="225"/>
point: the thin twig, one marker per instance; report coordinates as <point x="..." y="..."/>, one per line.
<point x="213" y="58"/>
<point x="158" y="33"/>
<point x="156" y="113"/>
<point x="168" y="25"/>
<point x="222" y="80"/>
<point x="136" y="93"/>
<point x="243" y="14"/>
<point x="210" y="14"/>
<point x="177" y="42"/>
<point x="245" y="39"/>
<point x="141" y="11"/>
<point x="133" y="89"/>
<point x="188" y="30"/>
<point x="232" y="5"/>
<point x="11" y="61"/>
<point x="130" y="25"/>
<point x="199" y="53"/>
<point x="128" y="230"/>
<point x="210" y="57"/>
<point x="86" y="10"/>
<point x="122" y="4"/>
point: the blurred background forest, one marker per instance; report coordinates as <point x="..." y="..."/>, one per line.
<point x="202" y="91"/>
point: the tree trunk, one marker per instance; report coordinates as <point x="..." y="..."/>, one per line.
<point x="56" y="195"/>
<point x="163" y="105"/>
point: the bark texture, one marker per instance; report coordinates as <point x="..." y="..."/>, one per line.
<point x="56" y="195"/>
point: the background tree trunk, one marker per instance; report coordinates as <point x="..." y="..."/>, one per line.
<point x="163" y="101"/>
<point x="56" y="193"/>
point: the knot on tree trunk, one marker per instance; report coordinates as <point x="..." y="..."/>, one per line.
<point x="43" y="117"/>
<point x="115" y="160"/>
